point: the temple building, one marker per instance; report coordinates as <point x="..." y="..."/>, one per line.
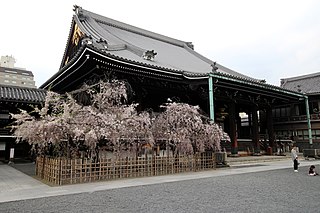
<point x="12" y="99"/>
<point x="290" y="120"/>
<point x="17" y="91"/>
<point x="158" y="67"/>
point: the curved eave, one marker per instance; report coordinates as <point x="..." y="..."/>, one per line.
<point x="313" y="94"/>
<point x="64" y="69"/>
<point x="91" y="49"/>
<point x="164" y="71"/>
<point x="257" y="84"/>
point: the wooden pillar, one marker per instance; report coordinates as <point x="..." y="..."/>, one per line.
<point x="270" y="128"/>
<point x="255" y="130"/>
<point x="233" y="129"/>
<point x="250" y="122"/>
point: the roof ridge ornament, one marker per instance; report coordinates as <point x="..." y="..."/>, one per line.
<point x="79" y="12"/>
<point x="149" y="55"/>
<point x="101" y="40"/>
<point x="103" y="44"/>
<point x="77" y="9"/>
<point x="190" y="45"/>
<point x="214" y="67"/>
<point x="87" y="40"/>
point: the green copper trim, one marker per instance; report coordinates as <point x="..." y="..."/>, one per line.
<point x="211" y="104"/>
<point x="308" y="120"/>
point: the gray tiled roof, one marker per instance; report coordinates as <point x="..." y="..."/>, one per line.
<point x="110" y="39"/>
<point x="129" y="42"/>
<point x="21" y="94"/>
<point x="309" y="84"/>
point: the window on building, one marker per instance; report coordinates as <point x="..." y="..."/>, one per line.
<point x="314" y="107"/>
<point x="305" y="134"/>
<point x="9" y="71"/>
<point x="288" y="111"/>
<point x="244" y="119"/>
<point x="283" y="135"/>
<point x="316" y="134"/>
<point x="281" y="112"/>
<point x="302" y="109"/>
<point x="300" y="134"/>
<point x="296" y="109"/>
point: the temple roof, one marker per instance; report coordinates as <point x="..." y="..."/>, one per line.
<point x="111" y="43"/>
<point x="309" y="84"/>
<point x="21" y="94"/>
<point x="135" y="44"/>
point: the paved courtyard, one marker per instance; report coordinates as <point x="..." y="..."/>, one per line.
<point x="256" y="187"/>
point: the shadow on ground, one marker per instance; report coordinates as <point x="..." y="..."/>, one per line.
<point x="25" y="166"/>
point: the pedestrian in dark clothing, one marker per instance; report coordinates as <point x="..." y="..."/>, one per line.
<point x="312" y="171"/>
<point x="294" y="156"/>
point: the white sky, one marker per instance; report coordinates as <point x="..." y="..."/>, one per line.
<point x="265" y="39"/>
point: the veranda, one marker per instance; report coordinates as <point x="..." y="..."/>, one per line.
<point x="61" y="171"/>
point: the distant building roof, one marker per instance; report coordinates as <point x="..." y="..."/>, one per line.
<point x="309" y="84"/>
<point x="21" y="94"/>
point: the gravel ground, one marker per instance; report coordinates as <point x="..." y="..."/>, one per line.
<point x="270" y="191"/>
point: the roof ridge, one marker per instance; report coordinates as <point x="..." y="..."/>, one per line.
<point x="301" y="77"/>
<point x="21" y="87"/>
<point x="130" y="28"/>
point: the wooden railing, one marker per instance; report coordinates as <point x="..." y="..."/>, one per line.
<point x="4" y="131"/>
<point x="296" y="118"/>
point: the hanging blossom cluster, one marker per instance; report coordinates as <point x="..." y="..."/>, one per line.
<point x="186" y="130"/>
<point x="64" y="127"/>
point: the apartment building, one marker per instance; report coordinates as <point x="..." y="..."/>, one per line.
<point x="15" y="76"/>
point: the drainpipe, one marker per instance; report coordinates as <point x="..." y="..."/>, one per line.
<point x="211" y="104"/>
<point x="308" y="120"/>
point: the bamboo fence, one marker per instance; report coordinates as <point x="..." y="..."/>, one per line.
<point x="61" y="171"/>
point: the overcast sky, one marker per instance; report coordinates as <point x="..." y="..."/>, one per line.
<point x="265" y="39"/>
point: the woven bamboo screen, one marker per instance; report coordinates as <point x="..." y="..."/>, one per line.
<point x="61" y="171"/>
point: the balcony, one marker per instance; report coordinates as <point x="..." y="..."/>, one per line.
<point x="4" y="131"/>
<point x="298" y="118"/>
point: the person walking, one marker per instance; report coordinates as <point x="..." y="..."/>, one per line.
<point x="294" y="156"/>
